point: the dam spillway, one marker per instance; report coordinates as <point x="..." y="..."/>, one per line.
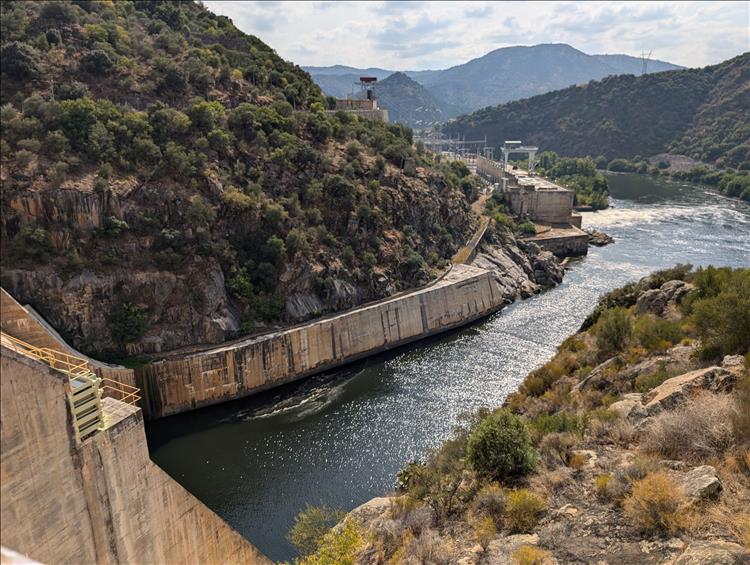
<point x="224" y="373"/>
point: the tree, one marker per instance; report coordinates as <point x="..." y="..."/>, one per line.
<point x="127" y="322"/>
<point x="97" y="62"/>
<point x="500" y="447"/>
<point x="19" y="60"/>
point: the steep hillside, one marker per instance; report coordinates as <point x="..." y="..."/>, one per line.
<point x="698" y="112"/>
<point x="510" y="73"/>
<point x="408" y="102"/>
<point x="168" y="180"/>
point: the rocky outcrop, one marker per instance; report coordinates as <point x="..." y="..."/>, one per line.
<point x="182" y="308"/>
<point x="713" y="553"/>
<point x="701" y="483"/>
<point x="656" y="301"/>
<point x="598" y="238"/>
<point x="520" y="268"/>
<point x="678" y="390"/>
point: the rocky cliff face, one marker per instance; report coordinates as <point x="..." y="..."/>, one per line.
<point x="521" y="268"/>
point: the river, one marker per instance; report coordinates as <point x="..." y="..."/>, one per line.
<point x="340" y="438"/>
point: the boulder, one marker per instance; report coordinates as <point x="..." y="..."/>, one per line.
<point x="598" y="238"/>
<point x="501" y="550"/>
<point x="676" y="391"/>
<point x="701" y="483"/>
<point x="733" y="361"/>
<point x="655" y="301"/>
<point x="630" y="408"/>
<point x="713" y="553"/>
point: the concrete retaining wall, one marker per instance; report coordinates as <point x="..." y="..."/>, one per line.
<point x="176" y="385"/>
<point x="552" y="206"/>
<point x="103" y="501"/>
<point x="570" y="242"/>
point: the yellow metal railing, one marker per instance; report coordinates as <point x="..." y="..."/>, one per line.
<point x="87" y="388"/>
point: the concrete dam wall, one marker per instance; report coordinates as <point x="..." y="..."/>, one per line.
<point x="175" y="385"/>
<point x="99" y="501"/>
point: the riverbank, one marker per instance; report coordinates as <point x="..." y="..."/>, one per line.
<point x="339" y="438"/>
<point x="630" y="445"/>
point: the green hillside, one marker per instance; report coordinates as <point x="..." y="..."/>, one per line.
<point x="157" y="158"/>
<point x="698" y="112"/>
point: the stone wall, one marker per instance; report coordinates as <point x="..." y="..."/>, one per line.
<point x="175" y="385"/>
<point x="103" y="501"/>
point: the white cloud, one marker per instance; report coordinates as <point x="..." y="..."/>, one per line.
<point x="418" y="35"/>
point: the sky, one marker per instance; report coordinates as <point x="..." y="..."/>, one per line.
<point x="435" y="35"/>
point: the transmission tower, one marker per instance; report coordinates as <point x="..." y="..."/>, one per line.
<point x="644" y="61"/>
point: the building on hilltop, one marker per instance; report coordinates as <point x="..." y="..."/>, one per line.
<point x="366" y="105"/>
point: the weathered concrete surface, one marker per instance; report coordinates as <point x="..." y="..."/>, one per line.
<point x="23" y="323"/>
<point x="563" y="242"/>
<point x="175" y="385"/>
<point x="103" y="501"/>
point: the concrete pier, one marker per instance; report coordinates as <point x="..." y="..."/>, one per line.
<point x="178" y="384"/>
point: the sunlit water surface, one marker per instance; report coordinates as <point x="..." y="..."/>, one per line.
<point x="340" y="438"/>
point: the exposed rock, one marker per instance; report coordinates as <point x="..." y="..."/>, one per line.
<point x="713" y="553"/>
<point x="676" y="391"/>
<point x="630" y="407"/>
<point x="701" y="483"/>
<point x="598" y="238"/>
<point x="599" y="376"/>
<point x="521" y="269"/>
<point x="655" y="301"/>
<point x="733" y="361"/>
<point x="502" y="549"/>
<point x="371" y="510"/>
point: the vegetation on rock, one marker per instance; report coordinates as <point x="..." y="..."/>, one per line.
<point x="201" y="157"/>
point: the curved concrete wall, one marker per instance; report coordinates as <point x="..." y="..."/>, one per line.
<point x="176" y="385"/>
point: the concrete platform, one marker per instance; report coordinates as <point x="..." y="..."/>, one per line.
<point x="567" y="241"/>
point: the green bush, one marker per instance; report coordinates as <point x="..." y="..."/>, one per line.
<point x="19" y="60"/>
<point x="613" y="331"/>
<point x="500" y="447"/>
<point x="310" y="525"/>
<point x="656" y="334"/>
<point x="527" y="228"/>
<point x="127" y="322"/>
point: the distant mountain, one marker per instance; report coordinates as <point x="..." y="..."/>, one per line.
<point x="410" y="103"/>
<point x="698" y="112"/>
<point x="506" y="74"/>
<point x="512" y="73"/>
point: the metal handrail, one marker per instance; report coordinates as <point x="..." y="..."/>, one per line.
<point x="74" y="367"/>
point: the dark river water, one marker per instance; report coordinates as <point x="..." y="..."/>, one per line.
<point x="340" y="438"/>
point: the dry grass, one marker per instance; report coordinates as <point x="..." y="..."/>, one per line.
<point x="523" y="510"/>
<point x="490" y="502"/>
<point x="530" y="555"/>
<point x="656" y="505"/>
<point x="428" y="547"/>
<point x="701" y="429"/>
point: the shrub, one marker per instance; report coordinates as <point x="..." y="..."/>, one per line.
<point x="311" y="525"/>
<point x="656" y="505"/>
<point x="556" y="423"/>
<point x="339" y="546"/>
<point x="613" y="330"/>
<point x="527" y="228"/>
<point x="97" y="62"/>
<point x="530" y="555"/>
<point x="523" y="510"/>
<point x="484" y="530"/>
<point x="647" y="381"/>
<point x="656" y="334"/>
<point x="127" y="322"/>
<point x="700" y="429"/>
<point x="602" y="483"/>
<point x="741" y="418"/>
<point x="490" y="502"/>
<point x="500" y="446"/>
<point x="19" y="60"/>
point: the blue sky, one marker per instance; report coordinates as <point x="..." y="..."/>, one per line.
<point x="428" y="35"/>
